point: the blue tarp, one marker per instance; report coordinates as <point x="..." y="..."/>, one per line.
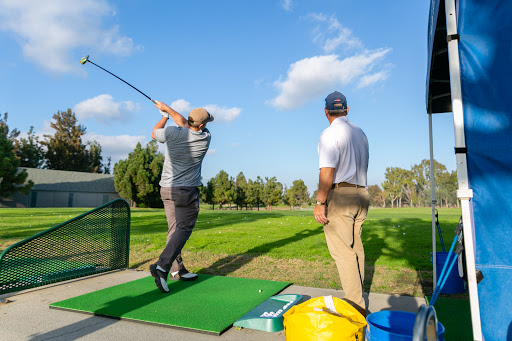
<point x="485" y="52"/>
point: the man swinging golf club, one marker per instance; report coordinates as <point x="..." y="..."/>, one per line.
<point x="187" y="145"/>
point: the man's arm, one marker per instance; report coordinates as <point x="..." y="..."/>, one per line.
<point x="324" y="187"/>
<point x="159" y="125"/>
<point x="176" y="117"/>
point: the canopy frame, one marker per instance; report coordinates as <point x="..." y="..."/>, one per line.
<point x="455" y="105"/>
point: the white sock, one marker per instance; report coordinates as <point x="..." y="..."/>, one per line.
<point x="174" y="273"/>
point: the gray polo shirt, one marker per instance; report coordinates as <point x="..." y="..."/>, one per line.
<point x="184" y="154"/>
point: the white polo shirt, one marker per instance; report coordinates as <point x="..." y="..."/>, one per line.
<point x="344" y="147"/>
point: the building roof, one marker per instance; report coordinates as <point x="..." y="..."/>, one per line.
<point x="66" y="181"/>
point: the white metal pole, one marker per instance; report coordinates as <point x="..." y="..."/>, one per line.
<point x="464" y="193"/>
<point x="433" y="202"/>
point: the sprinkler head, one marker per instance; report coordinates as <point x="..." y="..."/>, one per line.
<point x="84" y="60"/>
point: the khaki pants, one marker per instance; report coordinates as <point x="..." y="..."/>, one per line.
<point x="347" y="208"/>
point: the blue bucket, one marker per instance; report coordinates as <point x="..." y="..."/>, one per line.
<point x="454" y="283"/>
<point x="394" y="326"/>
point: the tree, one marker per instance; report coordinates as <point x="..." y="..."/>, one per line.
<point x="254" y="192"/>
<point x="224" y="190"/>
<point x="95" y="158"/>
<point x="408" y="187"/>
<point x="137" y="177"/>
<point x="65" y="149"/>
<point x="286" y="200"/>
<point x="297" y="194"/>
<point x="240" y="190"/>
<point x="422" y="172"/>
<point x="392" y="186"/>
<point x="272" y="192"/>
<point x="12" y="180"/>
<point x="29" y="150"/>
<point x="207" y="193"/>
<point x="312" y="200"/>
<point x="376" y="196"/>
<point x="447" y="188"/>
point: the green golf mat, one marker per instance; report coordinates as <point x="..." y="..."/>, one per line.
<point x="209" y="304"/>
<point x="455" y="315"/>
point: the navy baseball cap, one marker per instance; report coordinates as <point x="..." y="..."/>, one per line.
<point x="335" y="98"/>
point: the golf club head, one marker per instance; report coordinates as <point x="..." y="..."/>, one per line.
<point x="84" y="60"/>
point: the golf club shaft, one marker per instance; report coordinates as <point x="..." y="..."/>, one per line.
<point x="121" y="80"/>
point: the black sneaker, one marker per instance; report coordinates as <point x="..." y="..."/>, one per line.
<point x="160" y="278"/>
<point x="184" y="275"/>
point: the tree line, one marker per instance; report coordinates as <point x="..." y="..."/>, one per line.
<point x="412" y="187"/>
<point x="136" y="178"/>
<point x="243" y="193"/>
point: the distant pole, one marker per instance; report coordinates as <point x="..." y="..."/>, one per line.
<point x="433" y="201"/>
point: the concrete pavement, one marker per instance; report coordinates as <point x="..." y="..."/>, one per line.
<point x="26" y="315"/>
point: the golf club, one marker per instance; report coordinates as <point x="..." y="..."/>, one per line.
<point x="86" y="59"/>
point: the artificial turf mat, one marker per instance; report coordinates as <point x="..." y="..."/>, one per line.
<point x="210" y="304"/>
<point x="455" y="315"/>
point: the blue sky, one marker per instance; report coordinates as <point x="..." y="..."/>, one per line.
<point x="263" y="68"/>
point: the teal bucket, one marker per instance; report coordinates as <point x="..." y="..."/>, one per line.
<point x="454" y="283"/>
<point x="390" y="325"/>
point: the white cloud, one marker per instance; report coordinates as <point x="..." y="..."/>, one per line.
<point x="181" y="106"/>
<point x="368" y="80"/>
<point x="116" y="147"/>
<point x="46" y="129"/>
<point x="235" y="144"/>
<point x="287" y="5"/>
<point x="346" y="60"/>
<point x="49" y="31"/>
<point x="211" y="151"/>
<point x="104" y="109"/>
<point x="311" y="77"/>
<point x="330" y="34"/>
<point x="223" y="114"/>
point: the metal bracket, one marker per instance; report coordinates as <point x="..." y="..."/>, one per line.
<point x="465" y="193"/>
<point x="451" y="37"/>
<point x="461" y="150"/>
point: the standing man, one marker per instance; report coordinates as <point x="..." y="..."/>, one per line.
<point x="186" y="145"/>
<point x="343" y="200"/>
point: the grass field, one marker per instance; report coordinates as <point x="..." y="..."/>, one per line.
<point x="277" y="245"/>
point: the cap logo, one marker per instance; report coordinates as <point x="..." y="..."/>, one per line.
<point x="337" y="100"/>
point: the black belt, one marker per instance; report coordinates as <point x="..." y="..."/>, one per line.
<point x="346" y="184"/>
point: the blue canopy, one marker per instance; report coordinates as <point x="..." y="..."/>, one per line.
<point x="484" y="31"/>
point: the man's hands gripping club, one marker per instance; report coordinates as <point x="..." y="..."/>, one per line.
<point x="175" y="116"/>
<point x="167" y="112"/>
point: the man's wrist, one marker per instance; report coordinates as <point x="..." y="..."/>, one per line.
<point x="320" y="203"/>
<point x="164" y="114"/>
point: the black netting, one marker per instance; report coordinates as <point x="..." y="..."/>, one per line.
<point x="93" y="242"/>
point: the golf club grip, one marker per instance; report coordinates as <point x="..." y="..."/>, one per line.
<point x="122" y="80"/>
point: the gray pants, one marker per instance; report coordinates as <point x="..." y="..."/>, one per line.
<point x="181" y="208"/>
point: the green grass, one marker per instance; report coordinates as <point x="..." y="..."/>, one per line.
<point x="394" y="239"/>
